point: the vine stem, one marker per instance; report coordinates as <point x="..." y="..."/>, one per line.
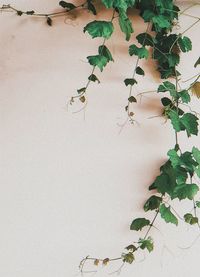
<point x="53" y="14"/>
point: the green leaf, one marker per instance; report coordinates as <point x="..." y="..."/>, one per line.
<point x="175" y="120"/>
<point x="146" y="244"/>
<point x="189" y="218"/>
<point x="132" y="99"/>
<point x="145" y="39"/>
<point x="130" y="81"/>
<point x="125" y="25"/>
<point x="131" y="247"/>
<point x="197" y="62"/>
<point x="152" y="203"/>
<point x="185" y="191"/>
<point x="108" y="3"/>
<point x="139" y="71"/>
<point x="167" y="215"/>
<point x="98" y="60"/>
<point x="197" y="204"/>
<point x="166" y="101"/>
<point x="185" y="44"/>
<point x="67" y="5"/>
<point x="91" y="7"/>
<point x="184" y="95"/>
<point x="104" y="51"/>
<point x="190" y="122"/>
<point x="196" y="154"/>
<point x="174" y="158"/>
<point x="147" y="15"/>
<point x="99" y="29"/>
<point x="160" y="22"/>
<point x="128" y="258"/>
<point x="81" y="90"/>
<point x="93" y="78"/>
<point x="167" y="86"/>
<point x="140" y="52"/>
<point x="139" y="223"/>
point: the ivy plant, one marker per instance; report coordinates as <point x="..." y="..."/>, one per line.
<point x="179" y="173"/>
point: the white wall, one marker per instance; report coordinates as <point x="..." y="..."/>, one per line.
<point x="71" y="186"/>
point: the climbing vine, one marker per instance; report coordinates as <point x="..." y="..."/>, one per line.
<point x="159" y="41"/>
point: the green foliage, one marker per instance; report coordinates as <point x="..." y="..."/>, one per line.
<point x="99" y="29"/>
<point x="141" y="52"/>
<point x="167" y="215"/>
<point x="139" y="71"/>
<point x="98" y="60"/>
<point x="152" y="203"/>
<point x="67" y="5"/>
<point x="125" y="25"/>
<point x="139" y="224"/>
<point x="189" y="218"/>
<point x="130" y="82"/>
<point x="146" y="244"/>
<point x="185" y="44"/>
<point x="128" y="258"/>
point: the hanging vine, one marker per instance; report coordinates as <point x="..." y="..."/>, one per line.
<point x="178" y="174"/>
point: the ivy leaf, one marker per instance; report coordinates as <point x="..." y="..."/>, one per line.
<point x="67" y="5"/>
<point x="108" y="3"/>
<point x="146" y="244"/>
<point x="147" y="15"/>
<point x="80" y="90"/>
<point x="104" y="51"/>
<point x="190" y="122"/>
<point x="175" y="120"/>
<point x="198" y="204"/>
<point x="93" y="78"/>
<point x="145" y="39"/>
<point x="131" y="247"/>
<point x="184" y="95"/>
<point x="125" y="25"/>
<point x="166" y="101"/>
<point x="99" y="29"/>
<point x="98" y="60"/>
<point x="128" y="258"/>
<point x="189" y="218"/>
<point x="139" y="223"/>
<point x="130" y="81"/>
<point x="197" y="62"/>
<point x="174" y="158"/>
<point x="152" y="203"/>
<point x="185" y="191"/>
<point x="140" y="52"/>
<point x="167" y="86"/>
<point x="160" y="22"/>
<point x="196" y="154"/>
<point x="132" y="99"/>
<point x="167" y="215"/>
<point x="185" y="44"/>
<point x="139" y="71"/>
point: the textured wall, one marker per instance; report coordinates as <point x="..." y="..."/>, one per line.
<point x="71" y="184"/>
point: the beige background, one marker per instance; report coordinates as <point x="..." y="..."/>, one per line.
<point x="71" y="184"/>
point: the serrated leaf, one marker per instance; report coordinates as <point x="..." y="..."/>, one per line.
<point x="185" y="44"/>
<point x="128" y="258"/>
<point x="145" y="39"/>
<point x="139" y="223"/>
<point x="139" y="71"/>
<point x="175" y="120"/>
<point x="174" y="158"/>
<point x="125" y="25"/>
<point x="196" y="154"/>
<point x="99" y="29"/>
<point x="152" y="203"/>
<point x="93" y="78"/>
<point x="184" y="191"/>
<point x="104" y="51"/>
<point x="130" y="81"/>
<point x="167" y="86"/>
<point x="190" y="122"/>
<point x="146" y="244"/>
<point x="184" y="95"/>
<point x="167" y="215"/>
<point x="161" y="22"/>
<point x="189" y="218"/>
<point x="141" y="52"/>
<point x="67" y="5"/>
<point x="98" y="60"/>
